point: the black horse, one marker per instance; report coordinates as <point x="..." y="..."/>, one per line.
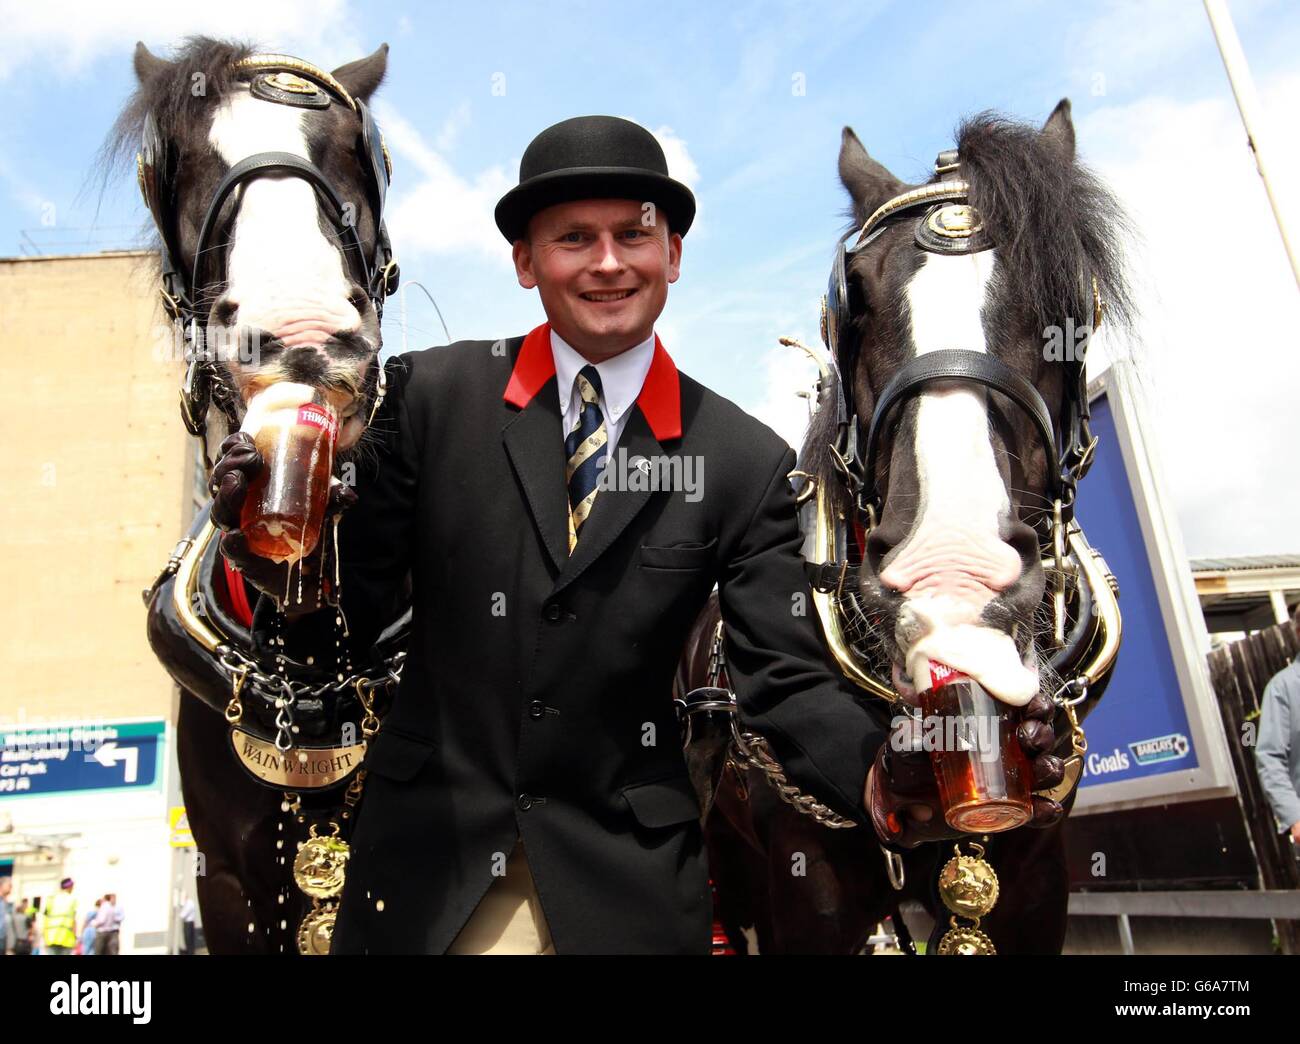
<point x="265" y="177"/>
<point x="937" y="486"/>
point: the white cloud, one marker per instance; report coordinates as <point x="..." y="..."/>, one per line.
<point x="456" y="121"/>
<point x="680" y="164"/>
<point x="445" y="212"/>
<point x="789" y="376"/>
<point x="63" y="37"/>
<point x="1220" y="311"/>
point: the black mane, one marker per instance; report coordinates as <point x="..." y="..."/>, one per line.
<point x="1052" y="219"/>
<point x="171" y="99"/>
<point x="1054" y="224"/>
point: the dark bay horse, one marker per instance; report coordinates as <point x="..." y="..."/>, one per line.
<point x="265" y="177"/>
<point x="937" y="485"/>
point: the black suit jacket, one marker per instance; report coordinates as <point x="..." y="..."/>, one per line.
<point x="535" y="701"/>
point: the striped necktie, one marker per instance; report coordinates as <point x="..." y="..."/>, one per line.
<point x="584" y="449"/>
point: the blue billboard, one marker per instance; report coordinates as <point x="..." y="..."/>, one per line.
<point x="1156" y="735"/>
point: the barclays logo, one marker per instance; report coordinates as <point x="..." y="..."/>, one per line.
<point x="1160" y="748"/>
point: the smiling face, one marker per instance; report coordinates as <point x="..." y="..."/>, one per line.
<point x="601" y="270"/>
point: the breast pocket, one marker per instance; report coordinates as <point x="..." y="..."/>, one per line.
<point x="678" y="557"/>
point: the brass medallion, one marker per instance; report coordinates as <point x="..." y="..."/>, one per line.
<point x="315" y="932"/>
<point x="287" y="81"/>
<point x="319" y="866"/>
<point x="955" y="221"/>
<point x="968" y="886"/>
<point x="966" y="942"/>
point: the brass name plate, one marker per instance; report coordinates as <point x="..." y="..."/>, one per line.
<point x="303" y="768"/>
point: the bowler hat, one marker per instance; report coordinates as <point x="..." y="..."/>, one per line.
<point x="593" y="157"/>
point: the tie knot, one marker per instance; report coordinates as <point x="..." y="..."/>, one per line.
<point x="588" y="382"/>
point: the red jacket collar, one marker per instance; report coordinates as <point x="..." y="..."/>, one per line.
<point x="660" y="398"/>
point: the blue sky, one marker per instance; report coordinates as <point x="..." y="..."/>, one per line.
<point x="750" y="101"/>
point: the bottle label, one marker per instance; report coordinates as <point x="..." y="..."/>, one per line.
<point x="315" y="417"/>
<point x="941" y="674"/>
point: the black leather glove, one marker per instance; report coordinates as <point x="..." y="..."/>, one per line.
<point x="239" y="464"/>
<point x="904" y="795"/>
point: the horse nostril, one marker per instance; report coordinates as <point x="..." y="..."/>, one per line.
<point x="223" y="312"/>
<point x="358" y="298"/>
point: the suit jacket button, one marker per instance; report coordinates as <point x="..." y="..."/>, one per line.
<point x="525" y="802"/>
<point x="553" y="612"/>
<point x="537" y="710"/>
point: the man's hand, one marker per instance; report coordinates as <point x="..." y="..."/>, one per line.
<point x="238" y="466"/>
<point x="903" y="797"/>
<point x="1295" y="832"/>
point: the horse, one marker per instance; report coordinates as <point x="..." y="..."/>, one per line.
<point x="936" y="486"/>
<point x="265" y="177"/>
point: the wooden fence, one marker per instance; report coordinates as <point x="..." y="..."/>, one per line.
<point x="1240" y="671"/>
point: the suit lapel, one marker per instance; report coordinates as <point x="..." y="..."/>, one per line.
<point x="535" y="443"/>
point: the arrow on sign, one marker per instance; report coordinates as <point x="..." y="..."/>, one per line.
<point x="108" y="755"/>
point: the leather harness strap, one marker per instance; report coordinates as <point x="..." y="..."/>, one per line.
<point x="967" y="366"/>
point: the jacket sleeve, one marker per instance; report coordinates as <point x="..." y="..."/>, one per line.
<point x="779" y="664"/>
<point x="1271" y="762"/>
<point x="375" y="536"/>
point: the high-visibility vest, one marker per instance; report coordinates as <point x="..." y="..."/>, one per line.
<point x="60" y="920"/>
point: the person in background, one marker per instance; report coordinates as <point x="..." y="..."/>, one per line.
<point x="88" y="929"/>
<point x="105" y="925"/>
<point x="187" y="925"/>
<point x="22" y="946"/>
<point x="1277" y="754"/>
<point x="118" y="914"/>
<point x="60" y="920"/>
<point x="7" y="931"/>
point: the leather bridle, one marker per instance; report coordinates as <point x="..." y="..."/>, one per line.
<point x="1087" y="625"/>
<point x="948" y="225"/>
<point x="285" y="80"/>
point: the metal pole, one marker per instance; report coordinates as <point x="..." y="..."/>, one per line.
<point x="1243" y="89"/>
<point x="1126" y="936"/>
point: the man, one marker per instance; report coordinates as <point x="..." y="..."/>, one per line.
<point x="189" y="933"/>
<point x="8" y="932"/>
<point x="106" y="924"/>
<point x="60" y="920"/>
<point x="1277" y="754"/>
<point x="527" y="792"/>
<point x="22" y="940"/>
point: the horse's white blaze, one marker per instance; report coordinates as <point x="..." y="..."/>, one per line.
<point x="285" y="275"/>
<point x="954" y="561"/>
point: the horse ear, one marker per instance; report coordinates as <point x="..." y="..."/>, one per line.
<point x="147" y="64"/>
<point x="363" y="77"/>
<point x="1059" y="128"/>
<point x="868" y="182"/>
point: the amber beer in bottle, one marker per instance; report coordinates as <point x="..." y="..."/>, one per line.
<point x="983" y="774"/>
<point x="294" y="428"/>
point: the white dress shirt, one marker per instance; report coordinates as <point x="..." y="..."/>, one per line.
<point x="621" y="379"/>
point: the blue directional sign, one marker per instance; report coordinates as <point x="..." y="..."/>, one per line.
<point x="41" y="761"/>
